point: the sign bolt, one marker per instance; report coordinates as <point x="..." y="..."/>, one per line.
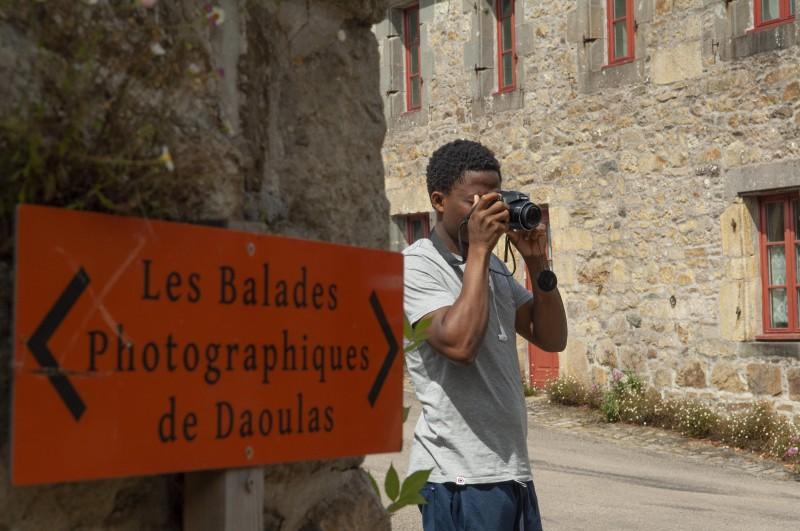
<point x="248" y="452"/>
<point x="251" y="249"/>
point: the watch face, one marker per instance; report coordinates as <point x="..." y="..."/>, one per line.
<point x="547" y="280"/>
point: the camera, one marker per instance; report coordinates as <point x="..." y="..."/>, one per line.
<point x="523" y="214"/>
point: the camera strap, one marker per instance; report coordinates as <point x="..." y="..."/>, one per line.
<point x="454" y="262"/>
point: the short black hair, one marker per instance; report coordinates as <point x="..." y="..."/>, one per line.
<point x="448" y="164"/>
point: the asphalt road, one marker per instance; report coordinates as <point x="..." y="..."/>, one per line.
<point x="585" y="482"/>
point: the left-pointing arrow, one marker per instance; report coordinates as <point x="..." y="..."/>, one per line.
<point x="38" y="343"/>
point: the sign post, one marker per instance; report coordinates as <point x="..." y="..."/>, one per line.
<point x="145" y="347"/>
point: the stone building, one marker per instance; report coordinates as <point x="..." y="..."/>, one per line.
<point x="662" y="136"/>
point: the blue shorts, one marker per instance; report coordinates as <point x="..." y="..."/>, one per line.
<point x="506" y="506"/>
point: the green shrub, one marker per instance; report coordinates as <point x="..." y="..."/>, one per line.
<point x="566" y="390"/>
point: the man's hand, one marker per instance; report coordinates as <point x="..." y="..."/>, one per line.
<point x="530" y="243"/>
<point x="487" y="222"/>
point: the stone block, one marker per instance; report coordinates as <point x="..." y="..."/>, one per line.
<point x="597" y="19"/>
<point x="662" y="379"/>
<point x="526" y="41"/>
<point x="597" y="55"/>
<point x="677" y="63"/>
<point x="731" y="311"/>
<point x="764" y="379"/>
<point x="599" y="376"/>
<point x="575" y="361"/>
<point x="573" y="239"/>
<point x="394" y="23"/>
<point x="741" y="17"/>
<point x="395" y="61"/>
<point x="644" y="10"/>
<point x="793" y="377"/>
<point x="725" y="378"/>
<point x="663" y="7"/>
<point x="471" y="55"/>
<point x="692" y="374"/>
<point x="633" y="359"/>
<point x="791" y="92"/>
<point x="559" y="218"/>
<point x="731" y="225"/>
<point x="578" y="23"/>
<point x="607" y="353"/>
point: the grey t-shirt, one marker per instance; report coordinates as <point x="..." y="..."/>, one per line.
<point x="473" y="425"/>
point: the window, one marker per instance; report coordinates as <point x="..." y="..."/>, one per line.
<point x="506" y="47"/>
<point x="413" y="71"/>
<point x="780" y="265"/>
<point x="771" y="12"/>
<point x="417" y="227"/>
<point x="620" y="31"/>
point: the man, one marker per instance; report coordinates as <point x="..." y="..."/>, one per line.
<point x="473" y="428"/>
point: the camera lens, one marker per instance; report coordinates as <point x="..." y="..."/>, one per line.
<point x="530" y="216"/>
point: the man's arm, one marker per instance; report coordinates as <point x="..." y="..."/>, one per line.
<point x="543" y="320"/>
<point x="457" y="331"/>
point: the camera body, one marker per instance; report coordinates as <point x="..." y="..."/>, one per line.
<point x="523" y="214"/>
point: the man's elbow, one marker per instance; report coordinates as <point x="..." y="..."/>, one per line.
<point x="462" y="355"/>
<point x="552" y="344"/>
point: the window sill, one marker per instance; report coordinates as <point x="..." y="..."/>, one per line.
<point x="508" y="90"/>
<point x="619" y="63"/>
<point x="770" y="25"/>
<point x="778" y="337"/>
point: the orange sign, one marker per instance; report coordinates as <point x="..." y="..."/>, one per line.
<point x="145" y="347"/>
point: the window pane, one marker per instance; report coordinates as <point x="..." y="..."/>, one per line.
<point x="506" y="34"/>
<point x="774" y="222"/>
<point x="415" y="98"/>
<point x="413" y="25"/>
<point x="414" y="59"/>
<point x="620" y="39"/>
<point x="791" y="7"/>
<point x="796" y="214"/>
<point x="777" y="265"/>
<point x="508" y="72"/>
<point x="620" y="8"/>
<point x="797" y="266"/>
<point x="778" y="308"/>
<point x="769" y="10"/>
<point x="506" y="8"/>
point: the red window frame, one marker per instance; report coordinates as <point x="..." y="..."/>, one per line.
<point x="502" y="52"/>
<point x="784" y="14"/>
<point x="412" y="106"/>
<point x="631" y="27"/>
<point x="426" y="226"/>
<point x="790" y="239"/>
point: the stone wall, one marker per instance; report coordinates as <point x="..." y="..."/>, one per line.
<point x="266" y="118"/>
<point x="646" y="169"/>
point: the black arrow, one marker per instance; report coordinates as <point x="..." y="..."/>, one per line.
<point x="38" y="343"/>
<point x="387" y="362"/>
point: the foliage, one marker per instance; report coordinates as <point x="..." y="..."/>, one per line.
<point x="407" y="493"/>
<point x="98" y="120"/>
<point x="756" y="427"/>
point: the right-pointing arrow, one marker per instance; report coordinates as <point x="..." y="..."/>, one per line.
<point x="38" y="343"/>
<point x="390" y="355"/>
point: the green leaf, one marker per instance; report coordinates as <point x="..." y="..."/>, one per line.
<point x="374" y="484"/>
<point x="392" y="483"/>
<point x="414" y="483"/>
<point x="406" y="410"/>
<point x="416" y="499"/>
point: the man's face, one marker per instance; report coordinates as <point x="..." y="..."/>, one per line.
<point x="456" y="205"/>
